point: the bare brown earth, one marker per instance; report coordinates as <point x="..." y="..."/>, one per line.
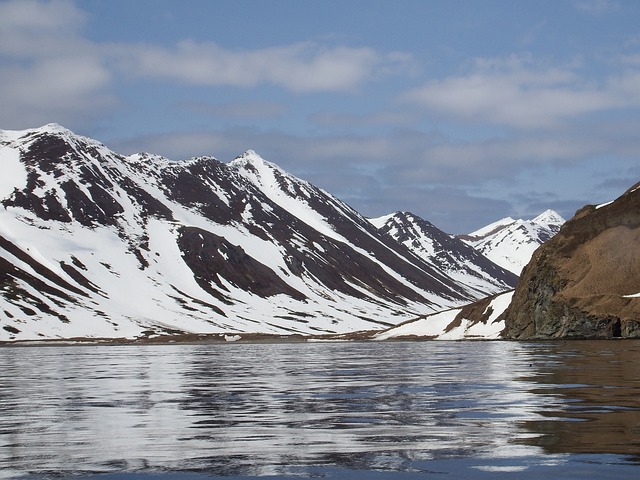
<point x="199" y="338"/>
<point x="577" y="284"/>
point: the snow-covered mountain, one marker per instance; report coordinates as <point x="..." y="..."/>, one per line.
<point x="448" y="254"/>
<point x="510" y="243"/>
<point x="96" y="244"/>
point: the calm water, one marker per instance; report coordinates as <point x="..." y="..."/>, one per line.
<point x="331" y="410"/>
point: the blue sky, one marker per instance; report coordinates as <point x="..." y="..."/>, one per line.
<point x="462" y="112"/>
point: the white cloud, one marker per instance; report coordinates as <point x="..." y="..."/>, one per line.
<point x="300" y="67"/>
<point x="516" y="93"/>
<point x="596" y="7"/>
<point x="48" y="72"/>
<point x="37" y="29"/>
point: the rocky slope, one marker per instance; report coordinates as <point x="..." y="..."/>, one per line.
<point x="446" y="253"/>
<point x="96" y="244"/>
<point x="584" y="282"/>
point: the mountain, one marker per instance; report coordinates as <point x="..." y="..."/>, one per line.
<point x="100" y="245"/>
<point x="469" y="268"/>
<point x="510" y="243"/>
<point x="585" y="281"/>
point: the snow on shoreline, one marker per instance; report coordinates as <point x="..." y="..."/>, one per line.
<point x="439" y="326"/>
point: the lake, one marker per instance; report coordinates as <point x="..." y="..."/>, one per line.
<point x="376" y="410"/>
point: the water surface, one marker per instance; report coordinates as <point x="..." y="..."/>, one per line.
<point x="362" y="410"/>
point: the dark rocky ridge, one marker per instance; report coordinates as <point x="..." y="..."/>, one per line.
<point x="446" y="253"/>
<point x="578" y="284"/>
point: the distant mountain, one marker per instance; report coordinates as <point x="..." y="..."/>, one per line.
<point x="585" y="281"/>
<point x="447" y="254"/>
<point x="510" y="243"/>
<point x="97" y="244"/>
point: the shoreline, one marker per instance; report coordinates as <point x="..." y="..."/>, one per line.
<point x="256" y="338"/>
<point x="198" y="338"/>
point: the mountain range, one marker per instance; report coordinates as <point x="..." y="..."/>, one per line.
<point x="583" y="283"/>
<point x="446" y="253"/>
<point x="94" y="244"/>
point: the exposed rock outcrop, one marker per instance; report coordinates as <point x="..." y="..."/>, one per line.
<point x="584" y="282"/>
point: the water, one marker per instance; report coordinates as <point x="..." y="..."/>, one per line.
<point x="331" y="410"/>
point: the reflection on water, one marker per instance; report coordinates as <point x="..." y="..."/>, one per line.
<point x="307" y="409"/>
<point x="593" y="391"/>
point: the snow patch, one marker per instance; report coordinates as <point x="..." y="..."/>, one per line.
<point x="379" y="222"/>
<point x="437" y="326"/>
<point x="14" y="172"/>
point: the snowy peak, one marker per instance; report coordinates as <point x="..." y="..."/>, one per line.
<point x="59" y="176"/>
<point x="510" y="243"/>
<point x="250" y="160"/>
<point x="308" y="203"/>
<point x="549" y="217"/>
<point x="266" y="175"/>
<point x="414" y="232"/>
<point x="62" y="136"/>
<point x="471" y="270"/>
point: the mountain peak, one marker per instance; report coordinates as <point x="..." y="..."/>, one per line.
<point x="472" y="272"/>
<point x="549" y="216"/>
<point x="253" y="162"/>
<point x="54" y="127"/>
<point x="249" y="157"/>
<point x="60" y="131"/>
<point x="510" y="243"/>
<point x="49" y="128"/>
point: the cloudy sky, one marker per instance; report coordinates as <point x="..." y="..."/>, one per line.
<point x="462" y="112"/>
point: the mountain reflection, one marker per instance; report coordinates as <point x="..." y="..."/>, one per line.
<point x="273" y="409"/>
<point x="593" y="389"/>
<point x="350" y="405"/>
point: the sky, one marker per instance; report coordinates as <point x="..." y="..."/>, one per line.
<point x="461" y="112"/>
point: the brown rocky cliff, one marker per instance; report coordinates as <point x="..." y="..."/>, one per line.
<point x="577" y="285"/>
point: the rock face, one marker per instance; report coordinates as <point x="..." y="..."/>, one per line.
<point x="584" y="282"/>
